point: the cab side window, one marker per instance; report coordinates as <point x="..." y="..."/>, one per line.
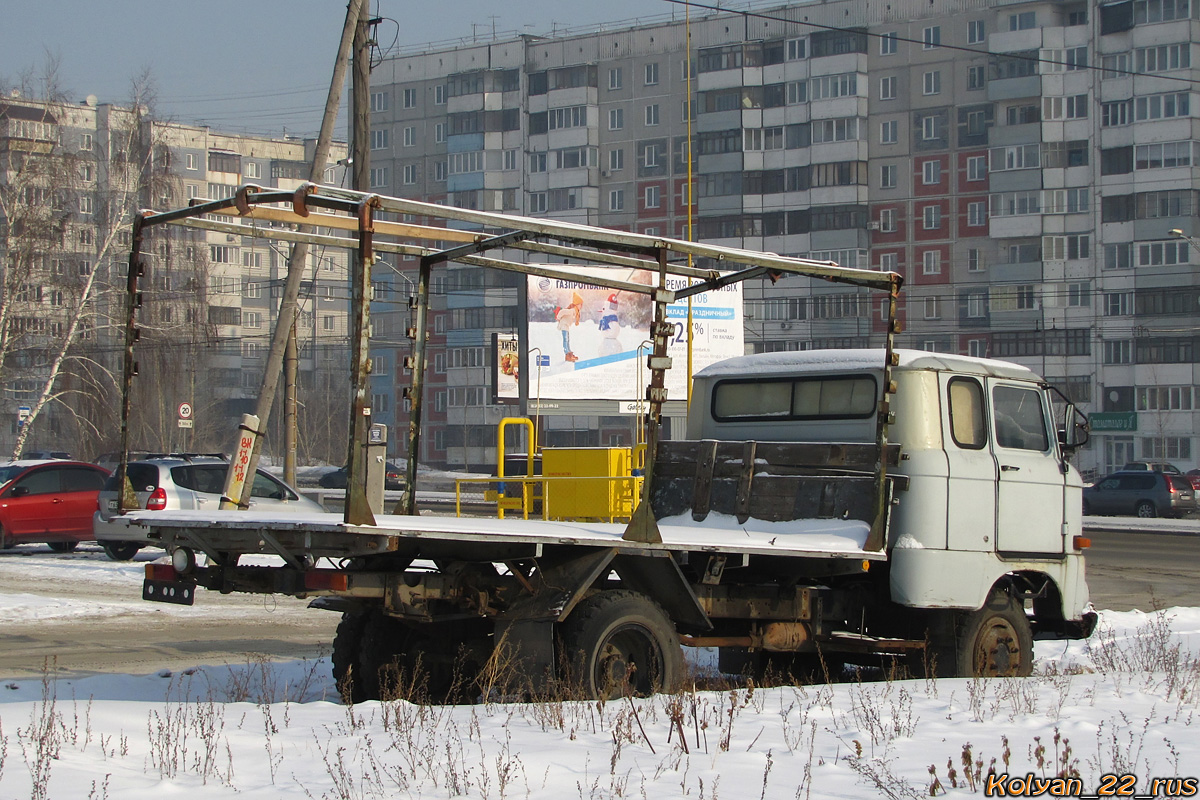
<point x="1020" y="423"/>
<point x="265" y="486"/>
<point x="82" y="479"/>
<point x="967" y="425"/>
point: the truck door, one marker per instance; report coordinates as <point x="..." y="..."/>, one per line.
<point x="1029" y="491"/>
<point x="971" y="468"/>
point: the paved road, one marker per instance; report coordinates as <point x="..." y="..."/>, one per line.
<point x="86" y="611"/>
<point x="1128" y="570"/>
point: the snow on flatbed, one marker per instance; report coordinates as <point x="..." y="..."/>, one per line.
<point x="820" y="538"/>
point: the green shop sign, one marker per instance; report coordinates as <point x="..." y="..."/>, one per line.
<point x="1113" y="421"/>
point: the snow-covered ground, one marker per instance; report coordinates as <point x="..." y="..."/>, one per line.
<point x="1124" y="702"/>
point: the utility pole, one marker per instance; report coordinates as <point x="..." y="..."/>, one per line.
<point x="358" y="510"/>
<point x="299" y="255"/>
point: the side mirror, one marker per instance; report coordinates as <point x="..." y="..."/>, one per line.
<point x="19" y="491"/>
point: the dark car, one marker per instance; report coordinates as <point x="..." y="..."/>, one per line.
<point x="1155" y="466"/>
<point x="1141" y="493"/>
<point x="336" y="479"/>
<point x="48" y="501"/>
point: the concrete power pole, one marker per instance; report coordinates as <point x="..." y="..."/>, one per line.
<point x="355" y="11"/>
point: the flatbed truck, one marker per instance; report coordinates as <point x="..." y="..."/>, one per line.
<point x="826" y="507"/>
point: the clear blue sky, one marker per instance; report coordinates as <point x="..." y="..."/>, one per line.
<point x="255" y="65"/>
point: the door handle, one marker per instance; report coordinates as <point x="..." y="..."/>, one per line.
<point x="57" y="500"/>
<point x="1009" y="468"/>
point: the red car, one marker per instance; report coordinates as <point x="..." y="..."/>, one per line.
<point x="48" y="501"/>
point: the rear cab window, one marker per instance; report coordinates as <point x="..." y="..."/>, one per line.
<point x="968" y="425"/>
<point x="829" y="397"/>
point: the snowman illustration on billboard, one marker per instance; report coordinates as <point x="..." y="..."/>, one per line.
<point x="610" y="327"/>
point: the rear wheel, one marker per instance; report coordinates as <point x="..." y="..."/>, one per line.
<point x="347" y="643"/>
<point x="996" y="640"/>
<point x="383" y="669"/>
<point x="619" y="643"/>
<point x="1146" y="510"/>
<point x="120" y="551"/>
<point x="63" y="547"/>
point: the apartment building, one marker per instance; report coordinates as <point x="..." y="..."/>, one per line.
<point x="1022" y="164"/>
<point x="72" y="175"/>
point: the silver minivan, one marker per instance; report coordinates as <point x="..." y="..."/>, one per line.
<point x="183" y="483"/>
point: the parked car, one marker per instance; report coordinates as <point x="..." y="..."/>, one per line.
<point x="1142" y="493"/>
<point x="336" y="479"/>
<point x="45" y="455"/>
<point x="1154" y="466"/>
<point x="1193" y="475"/>
<point x="182" y="482"/>
<point x="48" y="501"/>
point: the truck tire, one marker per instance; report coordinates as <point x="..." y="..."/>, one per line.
<point x="620" y="642"/>
<point x="996" y="640"/>
<point x="385" y="641"/>
<point x="5" y="541"/>
<point x="347" y="642"/>
<point x="120" y="551"/>
<point x="63" y="547"/>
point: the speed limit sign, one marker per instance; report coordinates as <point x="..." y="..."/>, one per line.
<point x="185" y="410"/>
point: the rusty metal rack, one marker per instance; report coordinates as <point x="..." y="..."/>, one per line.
<point x="492" y="240"/>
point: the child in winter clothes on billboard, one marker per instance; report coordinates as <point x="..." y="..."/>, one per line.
<point x="566" y="317"/>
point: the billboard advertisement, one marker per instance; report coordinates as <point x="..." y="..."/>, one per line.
<point x="591" y="342"/>
<point x="508" y="366"/>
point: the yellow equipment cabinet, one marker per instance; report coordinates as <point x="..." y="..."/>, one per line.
<point x="591" y="496"/>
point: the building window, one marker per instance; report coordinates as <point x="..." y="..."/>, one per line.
<point x="888" y="262"/>
<point x="887" y="43"/>
<point x="976" y="31"/>
<point x="653" y="196"/>
<point x="931" y="308"/>
<point x="409" y="98"/>
<point x="252" y="169"/>
<point x="616" y="200"/>
<point x="797" y="49"/>
<point x="378" y="177"/>
<point x="887" y="176"/>
<point x="976" y="214"/>
<point x="410" y="136"/>
<point x="931" y="217"/>
<point x="976" y="78"/>
<point x="931" y="172"/>
<point x="439" y="95"/>
<point x="85" y="143"/>
<point x="652" y="74"/>
<point x="889" y="132"/>
<point x="190" y="161"/>
<point x="380" y="139"/>
<point x="1118" y="351"/>
<point x="537" y="202"/>
<point x="616" y="159"/>
<point x="931" y="37"/>
<point x="379" y="101"/>
<point x="1023" y="21"/>
<point x="977" y="305"/>
<point x="410" y="174"/>
<point x="929" y="127"/>
<point x="616" y="119"/>
<point x="974" y="260"/>
<point x="931" y="263"/>
<point x="887" y="220"/>
<point x="86" y="205"/>
<point x="1162" y="106"/>
<point x="652" y="114"/>
<point x="439" y="170"/>
<point x="976" y="168"/>
<point x="932" y="82"/>
<point x="614" y="78"/>
<point x="887" y="88"/>
<point x="1162" y="58"/>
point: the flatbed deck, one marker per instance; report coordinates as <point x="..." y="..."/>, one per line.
<point x="328" y="536"/>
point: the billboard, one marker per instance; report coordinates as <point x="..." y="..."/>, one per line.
<point x="508" y="366"/>
<point x="593" y="341"/>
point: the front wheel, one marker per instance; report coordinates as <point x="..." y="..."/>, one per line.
<point x="120" y="551"/>
<point x="619" y="643"/>
<point x="5" y="540"/>
<point x="63" y="547"/>
<point x="1146" y="510"/>
<point x="347" y="643"/>
<point x="996" y="640"/>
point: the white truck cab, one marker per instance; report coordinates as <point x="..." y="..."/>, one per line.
<point x="990" y="494"/>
